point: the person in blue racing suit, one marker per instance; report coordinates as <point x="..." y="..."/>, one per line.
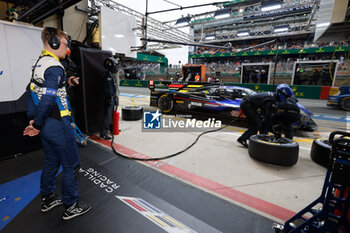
<point x="49" y="113"/>
<point x="259" y="108"/>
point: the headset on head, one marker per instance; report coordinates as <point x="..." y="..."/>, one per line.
<point x="54" y="42"/>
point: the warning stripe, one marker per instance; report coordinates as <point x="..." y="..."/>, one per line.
<point x="233" y="194"/>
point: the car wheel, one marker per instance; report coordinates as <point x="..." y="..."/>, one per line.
<point x="265" y="148"/>
<point x="311" y="126"/>
<point x="132" y="113"/>
<point x="320" y="151"/>
<point x="345" y="103"/>
<point x="166" y="103"/>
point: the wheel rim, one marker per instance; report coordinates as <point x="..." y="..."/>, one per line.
<point x="165" y="104"/>
<point x="346" y="104"/>
<point x="271" y="138"/>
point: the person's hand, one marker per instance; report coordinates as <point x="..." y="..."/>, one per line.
<point x="30" y="130"/>
<point x="73" y="81"/>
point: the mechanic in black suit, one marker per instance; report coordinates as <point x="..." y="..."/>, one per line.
<point x="110" y="95"/>
<point x="286" y="114"/>
<point x="258" y="109"/>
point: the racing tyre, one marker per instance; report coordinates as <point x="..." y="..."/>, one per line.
<point x="311" y="126"/>
<point x="166" y="103"/>
<point x="265" y="148"/>
<point x="132" y="113"/>
<point x="345" y="103"/>
<point x="320" y="151"/>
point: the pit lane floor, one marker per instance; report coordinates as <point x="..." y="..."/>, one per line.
<point x="213" y="187"/>
<point x="217" y="157"/>
<point x="125" y="196"/>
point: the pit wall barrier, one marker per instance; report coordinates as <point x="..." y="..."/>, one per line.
<point x="300" y="91"/>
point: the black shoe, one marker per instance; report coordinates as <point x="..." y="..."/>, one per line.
<point x="106" y="137"/>
<point x="49" y="202"/>
<point x="75" y="210"/>
<point x="243" y="142"/>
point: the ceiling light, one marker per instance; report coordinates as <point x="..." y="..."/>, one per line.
<point x="184" y="21"/>
<point x="210" y="37"/>
<point x="322" y="25"/>
<point x="118" y="35"/>
<point x="269" y="5"/>
<point x="223" y="13"/>
<point x="243" y="33"/>
<point x="281" y="28"/>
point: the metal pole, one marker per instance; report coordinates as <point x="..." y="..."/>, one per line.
<point x="145" y="26"/>
<point x="274" y="71"/>
<point x="186" y="7"/>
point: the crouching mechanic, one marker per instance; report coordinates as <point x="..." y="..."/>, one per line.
<point x="257" y="107"/>
<point x="49" y="112"/>
<point x="287" y="111"/>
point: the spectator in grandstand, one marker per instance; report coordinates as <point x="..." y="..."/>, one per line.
<point x="212" y="78"/>
<point x="314" y="77"/>
<point x="197" y="78"/>
<point x="178" y="75"/>
<point x="297" y="78"/>
<point x="258" y="76"/>
<point x="264" y="77"/>
<point x="325" y="78"/>
<point x="254" y="76"/>
<point x="246" y="76"/>
<point x="189" y="77"/>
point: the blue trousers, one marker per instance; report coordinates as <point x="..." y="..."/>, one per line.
<point x="60" y="148"/>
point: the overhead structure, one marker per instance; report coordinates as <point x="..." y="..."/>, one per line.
<point x="184" y="21"/>
<point x="298" y="15"/>
<point x="38" y="10"/>
<point x="333" y="23"/>
<point x="155" y="28"/>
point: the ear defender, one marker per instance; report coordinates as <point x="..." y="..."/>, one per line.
<point x="54" y="42"/>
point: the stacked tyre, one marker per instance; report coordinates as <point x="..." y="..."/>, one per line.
<point x="132" y="113"/>
<point x="321" y="151"/>
<point x="267" y="149"/>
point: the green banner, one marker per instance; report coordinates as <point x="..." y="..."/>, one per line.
<point x="234" y="2"/>
<point x="151" y="58"/>
<point x="133" y="83"/>
<point x="273" y="52"/>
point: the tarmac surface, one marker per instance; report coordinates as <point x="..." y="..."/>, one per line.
<point x="219" y="165"/>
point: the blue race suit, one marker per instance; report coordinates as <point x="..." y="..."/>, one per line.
<point x="49" y="107"/>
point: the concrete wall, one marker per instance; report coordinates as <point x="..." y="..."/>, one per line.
<point x="3" y="9"/>
<point x="74" y="21"/>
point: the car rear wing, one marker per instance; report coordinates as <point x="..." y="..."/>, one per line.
<point x="177" y="85"/>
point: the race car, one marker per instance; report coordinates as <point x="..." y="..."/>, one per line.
<point x="339" y="96"/>
<point x="210" y="98"/>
